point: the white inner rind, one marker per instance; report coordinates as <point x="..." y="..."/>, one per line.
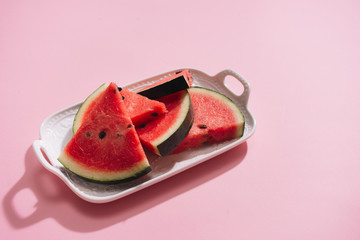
<point x="184" y="109"/>
<point x="240" y="120"/>
<point x="79" y="115"/>
<point x="99" y="174"/>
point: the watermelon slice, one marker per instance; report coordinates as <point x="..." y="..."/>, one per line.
<point x="217" y="119"/>
<point x="106" y="147"/>
<point x="162" y="135"/>
<point x="140" y="108"/>
<point x="178" y="81"/>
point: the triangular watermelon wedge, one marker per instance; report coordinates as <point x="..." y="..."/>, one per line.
<point x="140" y="109"/>
<point x="106" y="147"/>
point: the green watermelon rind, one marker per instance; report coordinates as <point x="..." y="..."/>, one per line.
<point x="172" y="85"/>
<point x="165" y="143"/>
<point x="84" y="106"/>
<point x="230" y="103"/>
<point x="166" y="88"/>
<point x="107" y="178"/>
<point x="176" y="138"/>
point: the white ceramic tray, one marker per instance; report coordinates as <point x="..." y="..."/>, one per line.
<point x="56" y="131"/>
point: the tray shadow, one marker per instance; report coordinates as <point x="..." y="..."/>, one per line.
<point x="55" y="200"/>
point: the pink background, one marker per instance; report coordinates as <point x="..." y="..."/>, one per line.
<point x="297" y="177"/>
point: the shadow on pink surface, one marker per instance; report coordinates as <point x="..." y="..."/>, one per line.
<point x="55" y="200"/>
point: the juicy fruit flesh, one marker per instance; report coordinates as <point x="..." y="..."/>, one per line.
<point x="139" y="108"/>
<point x="103" y="148"/>
<point x="106" y="146"/>
<point x="87" y="105"/>
<point x="217" y="119"/>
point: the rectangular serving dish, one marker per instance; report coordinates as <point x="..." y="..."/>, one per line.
<point x="56" y="131"/>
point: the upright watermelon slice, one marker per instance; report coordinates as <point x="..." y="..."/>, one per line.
<point x="177" y="81"/>
<point x="217" y="119"/>
<point x="106" y="147"/>
<point x="162" y="135"/>
<point x="140" y="108"/>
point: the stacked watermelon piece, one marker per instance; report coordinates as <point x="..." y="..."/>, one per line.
<point x="113" y="127"/>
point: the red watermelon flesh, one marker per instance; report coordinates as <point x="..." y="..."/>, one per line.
<point x="106" y="147"/>
<point x="217" y="119"/>
<point x="162" y="135"/>
<point x="140" y="108"/>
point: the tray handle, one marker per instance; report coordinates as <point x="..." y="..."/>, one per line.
<point x="37" y="146"/>
<point x="244" y="97"/>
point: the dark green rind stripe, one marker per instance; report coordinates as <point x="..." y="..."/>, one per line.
<point x="166" y="88"/>
<point x="135" y="176"/>
<point x="83" y="103"/>
<point x="174" y="140"/>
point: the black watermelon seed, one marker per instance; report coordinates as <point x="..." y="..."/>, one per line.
<point x="154" y="114"/>
<point x="102" y="134"/>
<point x="142" y="126"/>
<point x="119" y="88"/>
<point x="129" y="126"/>
<point x="206" y="135"/>
<point x="123" y="97"/>
<point x="202" y="126"/>
<point x="178" y="72"/>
